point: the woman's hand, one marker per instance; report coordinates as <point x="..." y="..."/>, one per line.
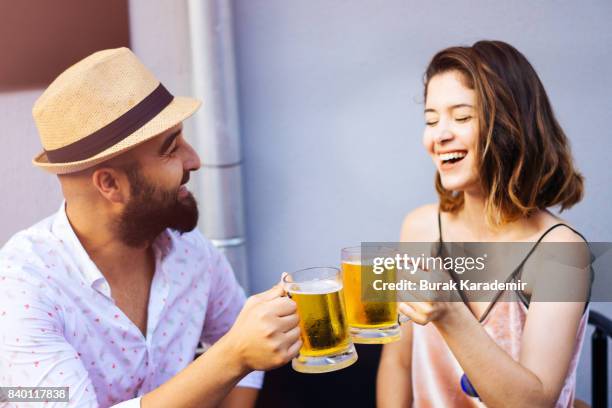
<point x="431" y="304"/>
<point x="424" y="312"/>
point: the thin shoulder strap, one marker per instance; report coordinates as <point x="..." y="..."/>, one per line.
<point x="560" y="224"/>
<point x="519" y="270"/>
<point x="440" y="241"/>
<point x="439" y="227"/>
<point x="441" y="253"/>
<point x="533" y="248"/>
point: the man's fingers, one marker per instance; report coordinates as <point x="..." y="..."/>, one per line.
<point x="274" y="292"/>
<point x="292" y="335"/>
<point x="283" y="306"/>
<point x="294" y="349"/>
<point x="288" y="322"/>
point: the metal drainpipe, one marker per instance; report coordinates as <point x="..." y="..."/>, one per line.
<point x="218" y="185"/>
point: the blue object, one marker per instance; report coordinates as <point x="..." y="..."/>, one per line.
<point x="467" y="387"/>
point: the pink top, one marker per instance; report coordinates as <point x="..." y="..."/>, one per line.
<point x="436" y="374"/>
<point x="59" y="325"/>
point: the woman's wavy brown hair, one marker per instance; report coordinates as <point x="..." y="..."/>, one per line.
<point x="524" y="160"/>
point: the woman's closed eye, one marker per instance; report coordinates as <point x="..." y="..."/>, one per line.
<point x="463" y="119"/>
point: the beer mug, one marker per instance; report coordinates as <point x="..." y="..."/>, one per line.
<point x="326" y="344"/>
<point x="370" y="322"/>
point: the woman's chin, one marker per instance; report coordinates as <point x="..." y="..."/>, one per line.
<point x="457" y="184"/>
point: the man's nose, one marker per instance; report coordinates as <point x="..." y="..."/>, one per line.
<point x="192" y="159"/>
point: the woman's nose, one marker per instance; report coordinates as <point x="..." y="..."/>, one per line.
<point x="443" y="136"/>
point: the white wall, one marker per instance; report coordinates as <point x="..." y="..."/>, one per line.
<point x="159" y="36"/>
<point x="330" y="98"/>
<point x="29" y="194"/>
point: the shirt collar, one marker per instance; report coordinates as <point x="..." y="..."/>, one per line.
<point x="163" y="245"/>
<point x="62" y="229"/>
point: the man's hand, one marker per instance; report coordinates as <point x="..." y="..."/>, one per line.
<point x="266" y="333"/>
<point x="264" y="336"/>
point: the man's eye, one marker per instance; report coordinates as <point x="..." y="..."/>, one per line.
<point x="172" y="151"/>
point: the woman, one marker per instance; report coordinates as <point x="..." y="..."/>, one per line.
<point x="502" y="160"/>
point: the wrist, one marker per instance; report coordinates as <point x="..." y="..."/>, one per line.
<point x="453" y="317"/>
<point x="234" y="354"/>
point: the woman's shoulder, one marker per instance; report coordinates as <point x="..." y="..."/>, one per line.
<point x="421" y="224"/>
<point x="555" y="229"/>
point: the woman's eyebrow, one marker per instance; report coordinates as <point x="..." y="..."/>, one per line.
<point x="452" y="107"/>
<point x="166" y="144"/>
<point x="461" y="105"/>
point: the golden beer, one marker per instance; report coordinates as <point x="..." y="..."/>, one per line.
<point x="326" y="342"/>
<point x="324" y="329"/>
<point x="373" y="320"/>
<point x="364" y="314"/>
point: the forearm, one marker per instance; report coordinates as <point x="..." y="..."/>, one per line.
<point x="393" y="386"/>
<point x="204" y="383"/>
<point x="240" y="397"/>
<point x="485" y="363"/>
<point x="394" y="378"/>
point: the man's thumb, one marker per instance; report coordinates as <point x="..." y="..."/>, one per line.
<point x="275" y="291"/>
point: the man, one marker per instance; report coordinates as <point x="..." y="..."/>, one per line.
<point x="111" y="295"/>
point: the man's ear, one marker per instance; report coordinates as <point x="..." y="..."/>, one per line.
<point x="112" y="184"/>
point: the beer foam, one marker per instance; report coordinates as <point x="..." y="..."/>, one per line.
<point x="359" y="263"/>
<point x="317" y="287"/>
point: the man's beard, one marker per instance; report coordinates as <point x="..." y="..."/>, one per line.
<point x="151" y="210"/>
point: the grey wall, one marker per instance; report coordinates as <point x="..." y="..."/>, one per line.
<point x="330" y="100"/>
<point x="331" y="115"/>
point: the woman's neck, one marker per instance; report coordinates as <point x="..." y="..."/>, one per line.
<point x="473" y="217"/>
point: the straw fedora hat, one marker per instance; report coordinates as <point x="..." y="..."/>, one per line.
<point x="101" y="107"/>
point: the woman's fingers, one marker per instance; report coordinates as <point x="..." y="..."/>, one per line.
<point x="421" y="312"/>
<point x="411" y="311"/>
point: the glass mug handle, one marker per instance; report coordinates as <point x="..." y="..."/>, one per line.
<point x="401" y="318"/>
<point x="286" y="277"/>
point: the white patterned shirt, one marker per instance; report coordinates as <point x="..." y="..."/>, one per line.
<point x="59" y="325"/>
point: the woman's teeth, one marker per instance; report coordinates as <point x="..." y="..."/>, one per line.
<point x="453" y="156"/>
